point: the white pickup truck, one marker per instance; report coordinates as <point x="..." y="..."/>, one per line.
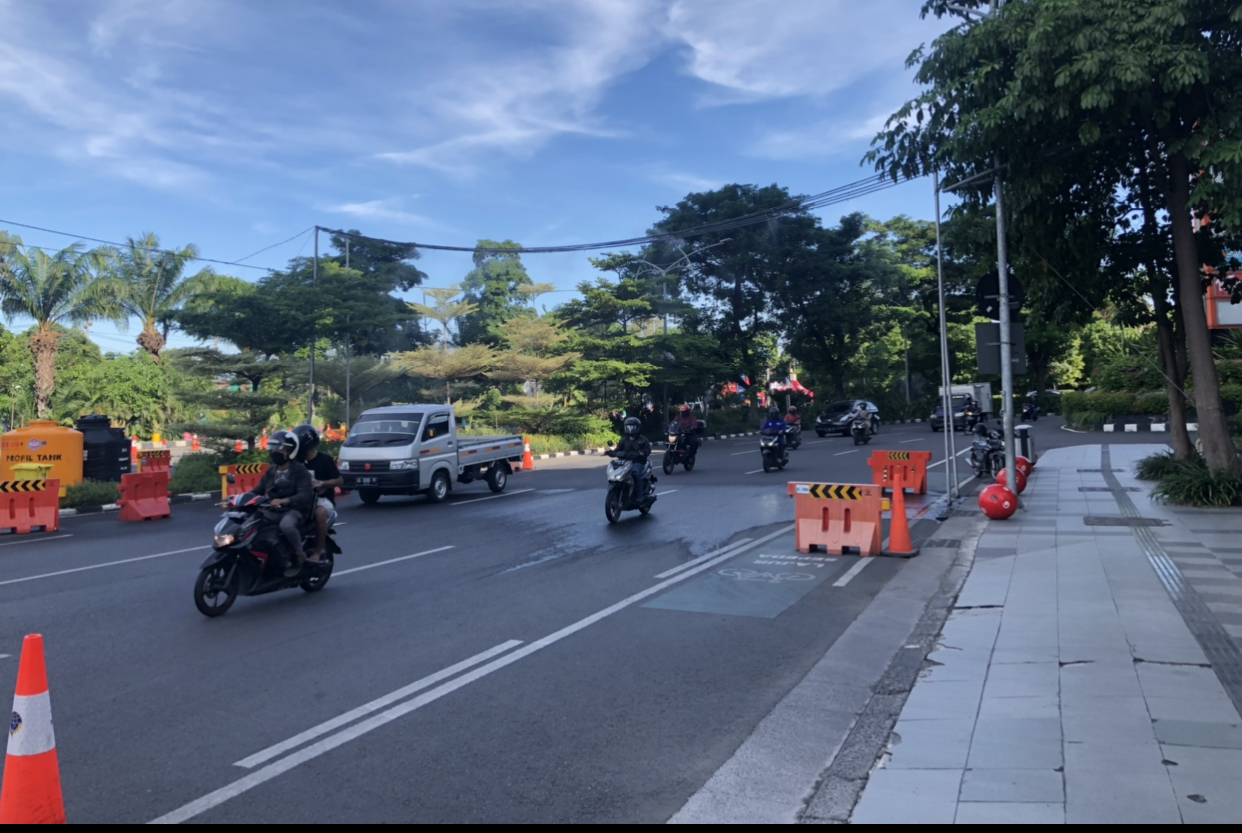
<point x="407" y="449"/>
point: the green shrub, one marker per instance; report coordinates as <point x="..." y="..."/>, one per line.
<point x="551" y="444"/>
<point x="1151" y="404"/>
<point x="1161" y="465"/>
<point x="1199" y="486"/>
<point x="199" y="472"/>
<point x="90" y="493"/>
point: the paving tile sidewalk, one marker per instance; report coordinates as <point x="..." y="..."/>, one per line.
<point x="1071" y="684"/>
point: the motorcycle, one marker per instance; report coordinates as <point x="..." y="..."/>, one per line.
<point x="250" y="556"/>
<point x="793" y="436"/>
<point x="859" y="431"/>
<point x="678" y="451"/>
<point x="971" y="419"/>
<point x="768" y="444"/>
<point x="620" y="497"/>
<point x="987" y="452"/>
<point x="1030" y="412"/>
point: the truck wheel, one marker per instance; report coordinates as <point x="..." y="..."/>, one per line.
<point x="439" y="488"/>
<point x="369" y="495"/>
<point x="497" y="477"/>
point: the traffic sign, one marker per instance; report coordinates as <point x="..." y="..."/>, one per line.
<point x="988" y="291"/>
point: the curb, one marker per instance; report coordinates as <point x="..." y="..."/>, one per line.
<point x="113" y="507"/>
<point x="1134" y="427"/>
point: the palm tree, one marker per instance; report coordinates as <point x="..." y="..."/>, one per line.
<point x="54" y="290"/>
<point x="446" y="309"/>
<point x="155" y="286"/>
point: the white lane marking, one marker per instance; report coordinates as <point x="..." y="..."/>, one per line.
<point x="492" y="497"/>
<point x="702" y="558"/>
<point x="839" y="453"/>
<point x="959" y="454"/>
<point x="36" y="540"/>
<point x="853" y="571"/>
<point x="390" y="561"/>
<point x="756" y="471"/>
<point x="816" y="442"/>
<point x="5" y="656"/>
<point x="915" y="440"/>
<point x="740" y="453"/>
<point x="669" y="492"/>
<point x="272" y="770"/>
<point x="350" y="716"/>
<point x="106" y="564"/>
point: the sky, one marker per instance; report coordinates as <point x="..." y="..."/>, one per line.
<point x="238" y="125"/>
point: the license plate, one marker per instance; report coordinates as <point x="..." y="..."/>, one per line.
<point x="368" y="481"/>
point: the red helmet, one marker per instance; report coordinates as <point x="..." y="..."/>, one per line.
<point x="685" y="409"/>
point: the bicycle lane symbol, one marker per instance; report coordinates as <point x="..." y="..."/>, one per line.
<point x="742" y="574"/>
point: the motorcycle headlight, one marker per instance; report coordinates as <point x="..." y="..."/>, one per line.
<point x="224" y="540"/>
<point x="343" y="465"/>
<point x="403" y="465"/>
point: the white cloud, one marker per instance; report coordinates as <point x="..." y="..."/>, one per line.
<point x="825" y="138"/>
<point x="756" y="49"/>
<point x="386" y="210"/>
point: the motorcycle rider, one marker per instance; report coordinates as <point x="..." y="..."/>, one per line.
<point x="860" y="412"/>
<point x="289" y="484"/>
<point x="634" y="447"/>
<point x="325" y="477"/>
<point x="971" y="411"/>
<point x="778" y="426"/>
<point x="688" y="425"/>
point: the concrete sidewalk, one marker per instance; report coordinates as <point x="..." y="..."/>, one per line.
<point x="1089" y="671"/>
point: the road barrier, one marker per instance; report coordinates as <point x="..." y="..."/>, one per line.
<point x="31" y="792"/>
<point x="29" y="504"/>
<point x="910" y="465"/>
<point x="246" y="477"/>
<point x="144" y="496"/>
<point x="837" y="516"/>
<point x="158" y="460"/>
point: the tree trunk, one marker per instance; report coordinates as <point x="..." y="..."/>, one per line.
<point x="151" y="340"/>
<point x="1218" y="448"/>
<point x="1182" y="447"/>
<point x="43" y="348"/>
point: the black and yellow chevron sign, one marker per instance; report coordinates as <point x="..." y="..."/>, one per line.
<point x="899" y="455"/>
<point x="251" y="468"/>
<point x="834" y="492"/>
<point x="22" y="486"/>
<point x="156" y="455"/>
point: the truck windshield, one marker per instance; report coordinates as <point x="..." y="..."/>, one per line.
<point x="384" y="429"/>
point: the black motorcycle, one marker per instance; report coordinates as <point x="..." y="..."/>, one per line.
<point x="860" y="431"/>
<point x="987" y="452"/>
<point x="1030" y="412"/>
<point x="251" y="554"/>
<point x="621" y="495"/>
<point x="769" y="442"/>
<point x="972" y="418"/>
<point x="678" y="452"/>
<point x="793" y="436"/>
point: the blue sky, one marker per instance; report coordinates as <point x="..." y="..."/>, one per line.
<point x="234" y="125"/>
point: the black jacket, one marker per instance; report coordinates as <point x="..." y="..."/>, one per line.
<point x="633" y="448"/>
<point x="299" y="490"/>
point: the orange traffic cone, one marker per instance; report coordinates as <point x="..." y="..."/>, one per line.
<point x="899" y="542"/>
<point x="195" y="446"/>
<point x="31" y="790"/>
<point x="133" y="455"/>
<point x="528" y="459"/>
<point x="239" y="447"/>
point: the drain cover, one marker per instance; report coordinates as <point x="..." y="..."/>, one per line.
<point x="947" y="543"/>
<point x="1108" y="521"/>
<point x="1106" y="489"/>
<point x="1098" y="471"/>
<point x="965" y="513"/>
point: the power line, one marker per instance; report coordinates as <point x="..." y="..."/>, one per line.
<point x="274" y="245"/>
<point x="122" y="245"/>
<point x="834" y="196"/>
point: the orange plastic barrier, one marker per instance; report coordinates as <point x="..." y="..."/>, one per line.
<point x="886" y="466"/>
<point x="245" y="476"/>
<point x="158" y="460"/>
<point x="144" y="496"/>
<point x="27" y="504"/>
<point x="31" y="792"/>
<point x="837" y="516"/>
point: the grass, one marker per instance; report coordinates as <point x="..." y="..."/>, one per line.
<point x="1160" y="465"/>
<point x="1196" y="485"/>
<point x="89" y="493"/>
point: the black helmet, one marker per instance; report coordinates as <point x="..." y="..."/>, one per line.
<point x="307" y="437"/>
<point x="282" y="447"/>
<point x="632" y="425"/>
<point x="774" y="411"/>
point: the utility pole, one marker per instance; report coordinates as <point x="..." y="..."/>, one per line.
<point x="314" y="283"/>
<point x="347" y="339"/>
<point x="946" y="393"/>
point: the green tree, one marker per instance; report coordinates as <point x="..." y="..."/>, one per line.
<point x="156" y="286"/>
<point x="57" y="289"/>
<point x="133" y="391"/>
<point x="448" y="365"/>
<point x="499" y="288"/>
<point x="446" y="310"/>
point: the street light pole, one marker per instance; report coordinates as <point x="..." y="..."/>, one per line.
<point x="314" y="283"/>
<point x="1006" y="346"/>
<point x="946" y="392"/>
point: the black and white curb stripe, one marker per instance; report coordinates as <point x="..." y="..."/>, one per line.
<point x="113" y="507"/>
<point x="1132" y="428"/>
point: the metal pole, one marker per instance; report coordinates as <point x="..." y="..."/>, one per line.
<point x="1006" y="346"/>
<point x="314" y="283"/>
<point x="347" y="351"/>
<point x="946" y="398"/>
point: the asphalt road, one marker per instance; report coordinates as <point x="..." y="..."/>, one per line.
<point x="508" y="658"/>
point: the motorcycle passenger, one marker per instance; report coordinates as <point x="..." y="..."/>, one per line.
<point x="288" y="483"/>
<point x="325" y="477"/>
<point x="793" y="417"/>
<point x="860" y="412"/>
<point x="688" y="425"/>
<point x="635" y="448"/>
<point x="778" y="426"/>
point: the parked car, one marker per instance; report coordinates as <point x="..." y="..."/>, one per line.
<point x="836" y="417"/>
<point x="959" y="415"/>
